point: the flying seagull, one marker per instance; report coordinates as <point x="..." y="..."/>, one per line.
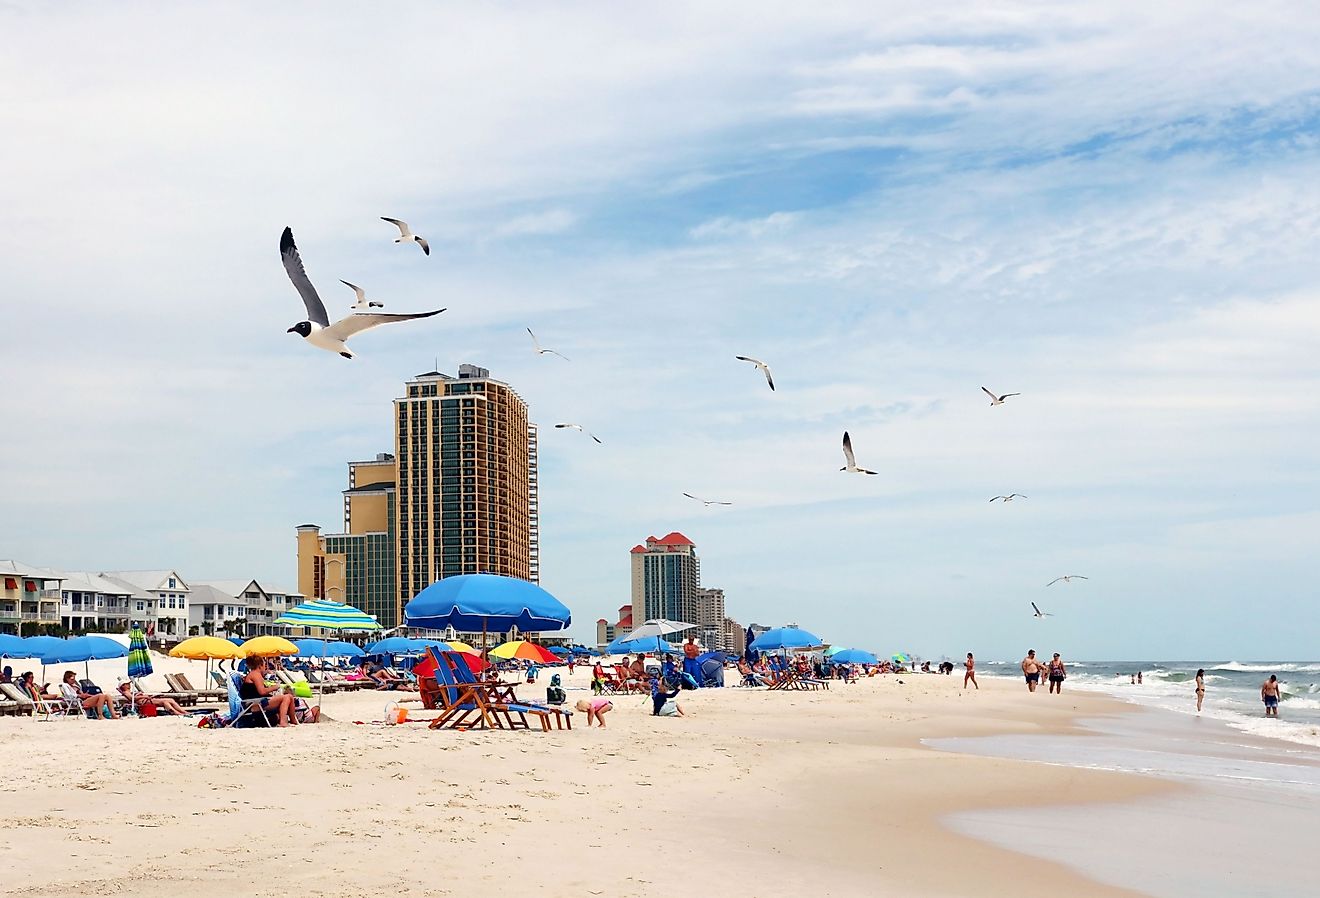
<point x="998" y="400"/>
<point x="536" y="345"/>
<point x="1039" y="613"/>
<point x="1010" y="497"/>
<point x="578" y="427"/>
<point x="707" y="502"/>
<point x="361" y="305"/>
<point x="406" y="235"/>
<point x="760" y="366"/>
<point x="318" y="330"/>
<point x="1067" y="578"/>
<point x="851" y="466"/>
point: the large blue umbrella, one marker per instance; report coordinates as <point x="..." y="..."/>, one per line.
<point x="12" y="646"/>
<point x="84" y="648"/>
<point x="854" y="656"/>
<point x="652" y="644"/>
<point x="320" y="648"/>
<point x="560" y="650"/>
<point x="396" y="645"/>
<point x="36" y="646"/>
<point x="486" y="601"/>
<point x="581" y="650"/>
<point x="785" y="638"/>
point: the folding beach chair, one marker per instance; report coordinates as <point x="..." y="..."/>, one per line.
<point x="245" y="712"/>
<point x="503" y="693"/>
<point x="22" y="702"/>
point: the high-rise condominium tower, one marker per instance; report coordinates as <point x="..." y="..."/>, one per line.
<point x="466" y="497"/>
<point x="666" y="575"/>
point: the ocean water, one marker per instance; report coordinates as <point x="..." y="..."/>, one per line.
<point x="1232" y="690"/>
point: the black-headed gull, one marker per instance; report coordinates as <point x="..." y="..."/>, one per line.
<point x="851" y="466"/>
<point x="406" y="235"/>
<point x="1067" y="578"/>
<point x="1039" y="613"/>
<point x="1010" y="497"/>
<point x="760" y="366"/>
<point x="317" y="329"/>
<point x="536" y="345"/>
<point x="707" y="502"/>
<point x="361" y="304"/>
<point x="998" y="400"/>
<point x="578" y="427"/>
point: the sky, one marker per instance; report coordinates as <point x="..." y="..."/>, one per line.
<point x="1111" y="208"/>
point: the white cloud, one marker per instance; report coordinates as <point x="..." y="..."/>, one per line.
<point x="726" y="227"/>
<point x="551" y="221"/>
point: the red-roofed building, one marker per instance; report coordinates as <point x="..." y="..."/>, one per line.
<point x="606" y="632"/>
<point x="666" y="575"/>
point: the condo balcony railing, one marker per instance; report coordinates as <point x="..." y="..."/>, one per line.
<point x="40" y="615"/>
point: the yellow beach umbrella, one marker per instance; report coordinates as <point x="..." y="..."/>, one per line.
<point x="266" y="646"/>
<point x="201" y="648"/>
<point x="462" y="647"/>
<point x="520" y="648"/>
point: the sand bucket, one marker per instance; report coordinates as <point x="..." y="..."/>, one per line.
<point x="395" y="714"/>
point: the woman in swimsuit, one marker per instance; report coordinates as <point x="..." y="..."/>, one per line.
<point x="970" y="676"/>
<point x="1200" y="689"/>
<point x="1057" y="674"/>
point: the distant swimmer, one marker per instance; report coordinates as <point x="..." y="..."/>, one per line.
<point x="1031" y="670"/>
<point x="1067" y="578"/>
<point x="970" y="676"/>
<point x="1138" y="678"/>
<point x="1200" y="689"/>
<point x="1269" y="694"/>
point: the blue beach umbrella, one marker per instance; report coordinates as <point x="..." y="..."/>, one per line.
<point x="785" y="638"/>
<point x="560" y="650"/>
<point x="581" y="650"/>
<point x="320" y="648"/>
<point x="12" y="646"/>
<point x="36" y="646"/>
<point x="396" y="645"/>
<point x="487" y="602"/>
<point x="651" y="644"/>
<point x="854" y="656"/>
<point x="84" y="648"/>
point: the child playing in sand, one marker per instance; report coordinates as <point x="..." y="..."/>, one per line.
<point x="594" y="708"/>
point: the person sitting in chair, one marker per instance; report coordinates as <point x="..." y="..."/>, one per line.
<point x="140" y="699"/>
<point x="271" y="699"/>
<point x="98" y="703"/>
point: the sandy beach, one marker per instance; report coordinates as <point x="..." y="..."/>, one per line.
<point x="764" y="792"/>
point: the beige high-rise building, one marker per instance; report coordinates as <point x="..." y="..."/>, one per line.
<point x="666" y="576"/>
<point x="466" y="495"/>
<point x="710" y="617"/>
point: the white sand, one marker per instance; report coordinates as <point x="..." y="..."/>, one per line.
<point x="757" y="793"/>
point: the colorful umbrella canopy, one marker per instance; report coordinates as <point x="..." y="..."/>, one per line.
<point x="834" y="650"/>
<point x="462" y="647"/>
<point x="199" y="648"/>
<point x="139" y="659"/>
<point x="521" y="648"/>
<point x="266" y="646"/>
<point x="899" y="658"/>
<point x="84" y="648"/>
<point x="328" y="615"/>
<point x="785" y="638"/>
<point x="486" y="602"/>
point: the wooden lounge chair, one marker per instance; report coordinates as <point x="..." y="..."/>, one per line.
<point x="208" y="694"/>
<point x="464" y="705"/>
<point x="18" y="702"/>
<point x="503" y="693"/>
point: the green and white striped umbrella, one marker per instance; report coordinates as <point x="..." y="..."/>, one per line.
<point x="139" y="662"/>
<point x="328" y="615"/>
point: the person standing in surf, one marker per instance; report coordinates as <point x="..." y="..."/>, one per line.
<point x="1200" y="689"/>
<point x="1270" y="695"/>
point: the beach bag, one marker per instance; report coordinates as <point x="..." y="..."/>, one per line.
<point x="146" y="709"/>
<point x="555" y="695"/>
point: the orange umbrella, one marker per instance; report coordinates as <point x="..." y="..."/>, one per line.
<point x="527" y="651"/>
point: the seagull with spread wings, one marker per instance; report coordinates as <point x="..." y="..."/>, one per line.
<point x="851" y="466"/>
<point x="998" y="400"/>
<point x="707" y="502"/>
<point x="317" y="329"/>
<point x="536" y="345"/>
<point x="578" y="427"/>
<point x="361" y="304"/>
<point x="1067" y="578"/>
<point x="406" y="235"/>
<point x="1010" y="497"/>
<point x="760" y="366"/>
<point x="1039" y="613"/>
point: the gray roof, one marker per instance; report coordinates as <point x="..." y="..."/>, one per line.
<point x="148" y="579"/>
<point x="233" y="588"/>
<point x="206" y="594"/>
<point x="11" y="568"/>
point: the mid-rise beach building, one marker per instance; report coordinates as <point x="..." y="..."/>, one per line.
<point x="666" y="579"/>
<point x="710" y="617"/>
<point x="159" y="600"/>
<point x="29" y="597"/>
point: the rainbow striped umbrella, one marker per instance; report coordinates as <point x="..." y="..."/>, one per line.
<point x="328" y="615"/>
<point x="139" y="661"/>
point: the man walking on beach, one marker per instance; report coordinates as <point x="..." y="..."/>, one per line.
<point x="1269" y="694"/>
<point x="1031" y="670"/>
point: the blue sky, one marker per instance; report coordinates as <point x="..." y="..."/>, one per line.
<point x="1112" y="210"/>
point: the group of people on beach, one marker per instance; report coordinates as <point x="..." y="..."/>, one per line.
<point x="1054" y="670"/>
